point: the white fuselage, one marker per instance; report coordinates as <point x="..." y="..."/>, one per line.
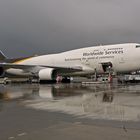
<point x="124" y="58"/>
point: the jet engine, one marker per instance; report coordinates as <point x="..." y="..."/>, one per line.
<point x="47" y="74"/>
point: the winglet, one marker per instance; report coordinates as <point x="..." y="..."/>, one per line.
<point x="2" y="56"/>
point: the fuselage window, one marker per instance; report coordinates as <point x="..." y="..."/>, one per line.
<point x="138" y="46"/>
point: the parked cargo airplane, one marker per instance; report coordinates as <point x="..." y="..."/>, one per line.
<point x="84" y="61"/>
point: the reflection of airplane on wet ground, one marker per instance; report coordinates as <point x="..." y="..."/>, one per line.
<point x="37" y="91"/>
<point x="98" y="101"/>
<point x="85" y="61"/>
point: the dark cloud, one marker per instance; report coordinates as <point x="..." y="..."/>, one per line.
<point x="30" y="27"/>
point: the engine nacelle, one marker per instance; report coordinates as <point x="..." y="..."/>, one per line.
<point x="2" y="71"/>
<point x="47" y="74"/>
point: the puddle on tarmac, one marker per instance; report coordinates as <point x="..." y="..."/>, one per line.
<point x="99" y="101"/>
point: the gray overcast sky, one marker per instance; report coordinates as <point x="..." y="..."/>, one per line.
<point x="30" y="27"/>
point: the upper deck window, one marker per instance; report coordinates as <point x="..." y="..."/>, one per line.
<point x="138" y="46"/>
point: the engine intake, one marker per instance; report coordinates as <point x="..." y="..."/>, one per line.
<point x="47" y="74"/>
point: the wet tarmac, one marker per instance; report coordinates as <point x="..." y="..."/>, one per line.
<point x="69" y="111"/>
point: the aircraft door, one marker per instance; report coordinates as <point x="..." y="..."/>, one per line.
<point x="107" y="66"/>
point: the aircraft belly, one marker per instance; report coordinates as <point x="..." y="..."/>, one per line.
<point x="78" y="73"/>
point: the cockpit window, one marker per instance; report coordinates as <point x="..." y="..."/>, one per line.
<point x="138" y="46"/>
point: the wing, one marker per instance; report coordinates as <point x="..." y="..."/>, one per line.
<point x="32" y="68"/>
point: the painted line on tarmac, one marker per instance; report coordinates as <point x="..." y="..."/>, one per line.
<point x="22" y="134"/>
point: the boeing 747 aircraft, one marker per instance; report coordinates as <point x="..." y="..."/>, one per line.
<point x="85" y="61"/>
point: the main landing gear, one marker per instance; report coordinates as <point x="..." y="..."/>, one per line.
<point x="60" y="79"/>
